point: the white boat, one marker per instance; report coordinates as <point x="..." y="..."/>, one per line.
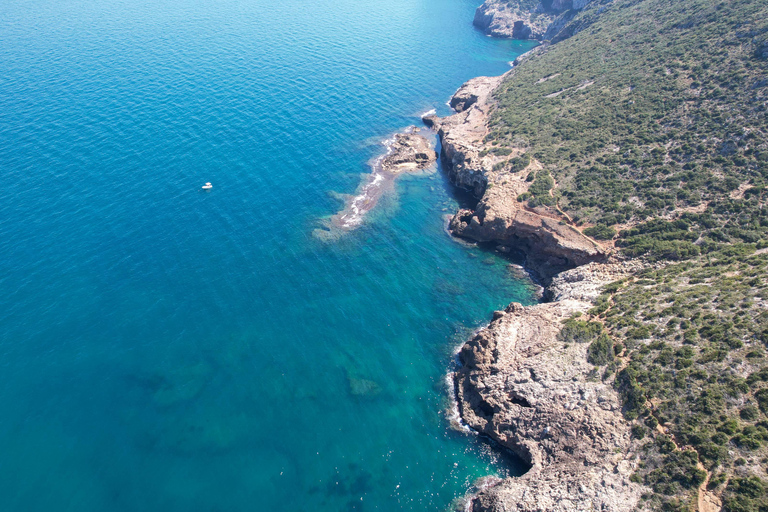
<point x="207" y="186"/>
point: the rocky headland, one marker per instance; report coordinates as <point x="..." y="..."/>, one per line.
<point x="518" y="383"/>
<point x="550" y="242"/>
<point x="527" y="19"/>
<point x="523" y="387"/>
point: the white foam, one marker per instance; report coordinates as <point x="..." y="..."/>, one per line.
<point x="453" y="415"/>
<point x="429" y="112"/>
<point x="352" y="215"/>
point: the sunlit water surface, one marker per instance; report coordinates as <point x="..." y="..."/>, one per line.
<point x="164" y="348"/>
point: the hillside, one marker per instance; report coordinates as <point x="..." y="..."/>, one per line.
<point x="646" y="131"/>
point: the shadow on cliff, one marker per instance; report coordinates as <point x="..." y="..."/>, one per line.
<point x="466" y="199"/>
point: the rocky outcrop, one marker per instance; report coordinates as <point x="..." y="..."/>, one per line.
<point x="555" y="244"/>
<point x="499" y="18"/>
<point x="462" y="134"/>
<point x="406" y="151"/>
<point x="499" y="217"/>
<point x="586" y="283"/>
<point x="526" y="19"/>
<point x="528" y="391"/>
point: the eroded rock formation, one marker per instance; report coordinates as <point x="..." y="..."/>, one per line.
<point x="526" y="19"/>
<point x="531" y="393"/>
<point x="499" y="217"/>
<point x="406" y="151"/>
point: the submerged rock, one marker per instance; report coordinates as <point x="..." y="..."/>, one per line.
<point x="407" y="151"/>
<point x="181" y="385"/>
<point x="363" y="387"/>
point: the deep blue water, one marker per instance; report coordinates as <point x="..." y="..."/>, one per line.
<point x="164" y="348"/>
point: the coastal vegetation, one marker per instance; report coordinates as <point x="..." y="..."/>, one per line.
<point x="650" y="127"/>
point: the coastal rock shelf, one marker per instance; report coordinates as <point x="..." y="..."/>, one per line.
<point x="499" y="217"/>
<point x="407" y="151"/>
<point x="530" y="392"/>
<point x="518" y="19"/>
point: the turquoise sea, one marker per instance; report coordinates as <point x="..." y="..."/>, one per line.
<point x="163" y="348"/>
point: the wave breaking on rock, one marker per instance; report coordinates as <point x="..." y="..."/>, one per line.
<point x="406" y="151"/>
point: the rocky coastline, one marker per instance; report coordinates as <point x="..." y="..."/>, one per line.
<point x="543" y="20"/>
<point x="406" y="151"/>
<point x="517" y="382"/>
<point x="521" y="386"/>
<point x="550" y="244"/>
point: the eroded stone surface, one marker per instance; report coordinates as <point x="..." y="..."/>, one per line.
<point x="408" y="151"/>
<point x="499" y="217"/>
<point x="516" y="19"/>
<point x="530" y="392"/>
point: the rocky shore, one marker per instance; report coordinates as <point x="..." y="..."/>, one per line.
<point x="550" y="243"/>
<point x="406" y="151"/>
<point x="533" y="394"/>
<point x="517" y="382"/>
<point x="527" y="19"/>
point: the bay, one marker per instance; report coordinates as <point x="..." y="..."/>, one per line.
<point x="167" y="348"/>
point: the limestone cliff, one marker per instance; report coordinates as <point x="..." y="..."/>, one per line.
<point x="526" y="19"/>
<point x="530" y="392"/>
<point x="499" y="217"/>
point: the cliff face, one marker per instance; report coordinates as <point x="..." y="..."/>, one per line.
<point x="462" y="134"/>
<point x="554" y="244"/>
<point x="499" y="217"/>
<point x="526" y="19"/>
<point x="531" y="393"/>
<point x="518" y="384"/>
<point x="684" y="342"/>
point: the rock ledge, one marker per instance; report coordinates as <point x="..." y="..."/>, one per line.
<point x="528" y="391"/>
<point x="518" y="20"/>
<point x="499" y="218"/>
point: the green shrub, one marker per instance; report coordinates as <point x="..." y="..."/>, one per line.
<point x="579" y="331"/>
<point x="762" y="400"/>
<point x="600" y="351"/>
<point x="679" y="470"/>
<point x="639" y="431"/>
<point x="748" y="494"/>
<point x="600" y="232"/>
<point x="749" y="413"/>
<point x="540" y="189"/>
<point x="519" y="163"/>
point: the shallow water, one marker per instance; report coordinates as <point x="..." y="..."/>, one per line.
<point x="166" y="348"/>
